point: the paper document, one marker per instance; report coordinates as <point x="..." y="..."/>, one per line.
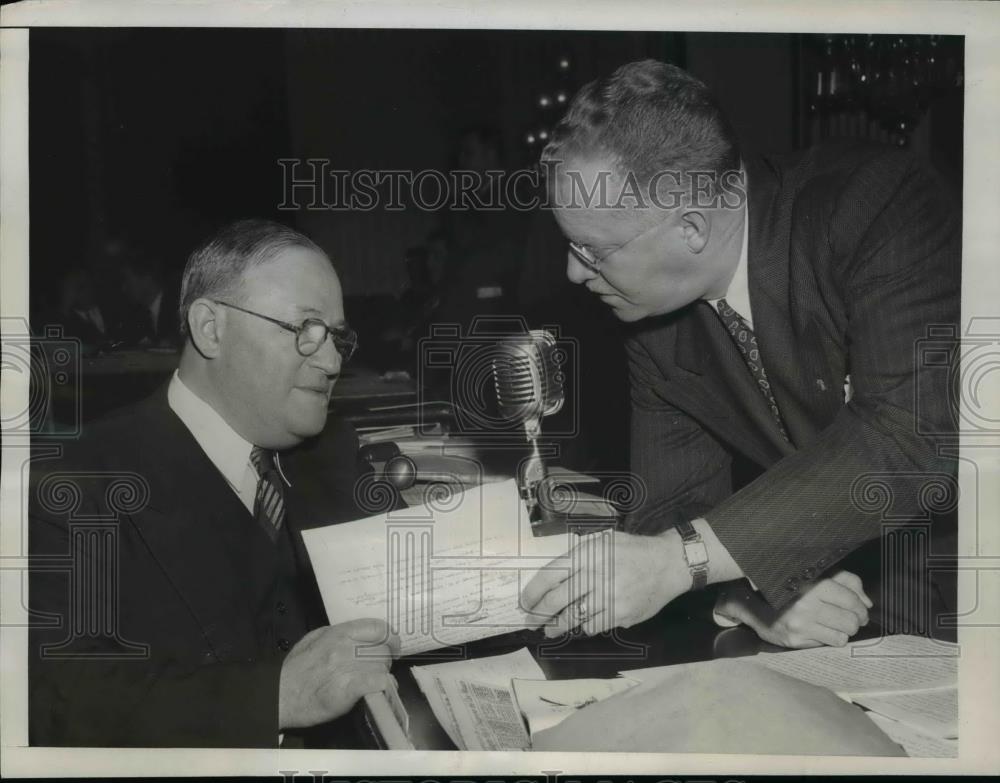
<point x="894" y="663"/>
<point x="442" y="573"/>
<point x="914" y="742"/>
<point x="545" y="703"/>
<point x="437" y="682"/>
<point x="908" y="681"/>
<point x="653" y="675"/>
<point x="398" y="708"/>
<point x="585" y="504"/>
<point x="486" y="715"/>
<point x="932" y="711"/>
<point x="560" y="475"/>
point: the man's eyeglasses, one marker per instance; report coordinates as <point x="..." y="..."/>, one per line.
<point x="593" y="262"/>
<point x="586" y="256"/>
<point x="311" y="333"/>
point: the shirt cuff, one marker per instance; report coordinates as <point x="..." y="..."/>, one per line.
<point x="722" y="621"/>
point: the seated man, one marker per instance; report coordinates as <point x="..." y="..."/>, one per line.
<point x="150" y="308"/>
<point x="78" y="310"/>
<point x="172" y="604"/>
<point x="776" y="307"/>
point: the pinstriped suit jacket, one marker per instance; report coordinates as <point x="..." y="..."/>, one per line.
<point x="854" y="252"/>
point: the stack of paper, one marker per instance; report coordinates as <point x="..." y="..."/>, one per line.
<point x="474" y="702"/>
<point x="909" y="685"/>
<point x="483" y="704"/>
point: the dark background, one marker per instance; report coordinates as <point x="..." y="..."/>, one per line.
<point x="156" y="137"/>
<point x="159" y="135"/>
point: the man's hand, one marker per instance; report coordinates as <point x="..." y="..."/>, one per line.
<point x="648" y="571"/>
<point x="829" y="613"/>
<point x="331" y="668"/>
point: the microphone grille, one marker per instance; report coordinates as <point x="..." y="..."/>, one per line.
<point x="528" y="376"/>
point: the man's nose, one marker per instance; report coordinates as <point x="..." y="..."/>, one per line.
<point x="576" y="270"/>
<point x="327" y="358"/>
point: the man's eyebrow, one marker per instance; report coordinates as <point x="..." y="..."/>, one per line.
<point x="312" y="311"/>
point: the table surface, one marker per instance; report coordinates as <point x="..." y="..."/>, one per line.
<point x="681" y="633"/>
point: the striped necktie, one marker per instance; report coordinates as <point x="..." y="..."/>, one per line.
<point x="269" y="502"/>
<point x="746" y="341"/>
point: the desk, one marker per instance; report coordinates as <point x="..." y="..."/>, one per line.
<point x="681" y="633"/>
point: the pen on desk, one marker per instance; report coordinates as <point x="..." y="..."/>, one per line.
<point x="575" y="706"/>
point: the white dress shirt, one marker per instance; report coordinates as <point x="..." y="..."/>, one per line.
<point x="227" y="450"/>
<point x="738" y="293"/>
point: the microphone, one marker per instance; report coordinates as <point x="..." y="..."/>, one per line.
<point x="529" y="382"/>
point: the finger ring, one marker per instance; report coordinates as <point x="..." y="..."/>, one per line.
<point x="580" y="607"/>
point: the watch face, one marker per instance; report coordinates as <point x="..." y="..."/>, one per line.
<point x="696" y="553"/>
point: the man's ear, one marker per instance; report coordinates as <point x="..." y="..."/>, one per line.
<point x="205" y="325"/>
<point x="696" y="228"/>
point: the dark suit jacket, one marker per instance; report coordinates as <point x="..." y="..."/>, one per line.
<point x="854" y="251"/>
<point x="162" y="612"/>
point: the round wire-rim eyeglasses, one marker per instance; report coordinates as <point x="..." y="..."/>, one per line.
<point x="311" y="333"/>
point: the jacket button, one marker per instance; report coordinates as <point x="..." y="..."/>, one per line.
<point x="281" y="608"/>
<point x="809" y="573"/>
<point x="822" y="562"/>
<point x="792" y="583"/>
<point x="284" y="645"/>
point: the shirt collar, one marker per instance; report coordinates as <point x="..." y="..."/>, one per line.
<point x="227" y="450"/>
<point x="737" y="296"/>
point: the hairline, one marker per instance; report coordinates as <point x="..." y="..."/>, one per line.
<point x="268" y="249"/>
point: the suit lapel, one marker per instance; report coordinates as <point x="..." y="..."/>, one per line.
<point x="786" y="349"/>
<point x="184" y="526"/>
<point x="706" y="377"/>
<point x="730" y="371"/>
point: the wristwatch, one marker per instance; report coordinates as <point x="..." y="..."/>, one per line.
<point x="695" y="553"/>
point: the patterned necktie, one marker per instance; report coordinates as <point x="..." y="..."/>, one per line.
<point x="746" y="341"/>
<point x="269" y="502"/>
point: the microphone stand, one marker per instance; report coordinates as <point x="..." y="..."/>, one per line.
<point x="529" y="386"/>
<point x="532" y="472"/>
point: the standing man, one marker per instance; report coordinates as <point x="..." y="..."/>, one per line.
<point x="777" y="306"/>
<point x="196" y="621"/>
